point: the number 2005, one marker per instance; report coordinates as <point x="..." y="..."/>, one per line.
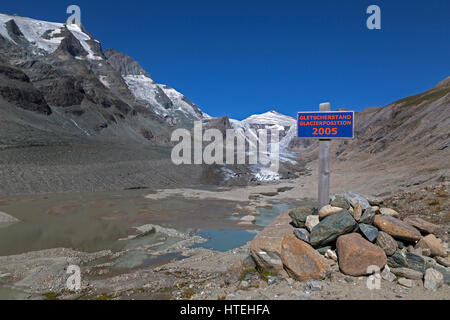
<point x="324" y="131"/>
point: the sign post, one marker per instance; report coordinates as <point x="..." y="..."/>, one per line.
<point x="325" y="125"/>
<point x="324" y="165"/>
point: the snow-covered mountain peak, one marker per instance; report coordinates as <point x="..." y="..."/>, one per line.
<point x="45" y="36"/>
<point x="270" y="118"/>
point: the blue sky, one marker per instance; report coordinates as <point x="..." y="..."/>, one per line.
<point x="238" y="58"/>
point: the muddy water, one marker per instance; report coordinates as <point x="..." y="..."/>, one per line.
<point x="95" y="221"/>
<point x="92" y="222"/>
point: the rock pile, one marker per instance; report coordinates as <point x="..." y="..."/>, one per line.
<point x="363" y="238"/>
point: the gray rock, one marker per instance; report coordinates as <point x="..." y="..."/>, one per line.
<point x="444" y="271"/>
<point x="443" y="261"/>
<point x="400" y="244"/>
<point x="433" y="279"/>
<point x="271" y="279"/>
<point x="368" y="216"/>
<point x="407" y="273"/>
<point x="387" y="275"/>
<point x="405" y="259"/>
<point x="387" y="243"/>
<point x="354" y="198"/>
<point x="339" y="201"/>
<point x="406" y="282"/>
<point x="248" y="262"/>
<point x="302" y="234"/>
<point x="330" y="228"/>
<point x="368" y="231"/>
<point x="299" y="215"/>
<point x="314" y="286"/>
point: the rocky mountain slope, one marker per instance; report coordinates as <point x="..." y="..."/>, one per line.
<point x="403" y="144"/>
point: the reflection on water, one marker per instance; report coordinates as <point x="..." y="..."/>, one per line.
<point x="92" y="222"/>
<point x="224" y="240"/>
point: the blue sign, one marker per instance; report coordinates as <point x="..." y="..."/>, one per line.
<point x="326" y="125"/>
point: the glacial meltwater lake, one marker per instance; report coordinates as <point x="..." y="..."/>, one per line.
<point x="92" y="222"/>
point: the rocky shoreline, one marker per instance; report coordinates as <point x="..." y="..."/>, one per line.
<point x="296" y="257"/>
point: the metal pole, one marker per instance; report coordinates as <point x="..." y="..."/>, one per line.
<point x="324" y="165"/>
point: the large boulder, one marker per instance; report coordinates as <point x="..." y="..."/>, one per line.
<point x="423" y="225"/>
<point x="265" y="248"/>
<point x="330" y="228"/>
<point x="299" y="215"/>
<point x="432" y="243"/>
<point x="301" y="261"/>
<point x="387" y="243"/>
<point x="356" y="255"/>
<point x="397" y="228"/>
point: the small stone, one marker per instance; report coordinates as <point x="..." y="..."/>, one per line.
<point x="356" y="255"/>
<point x="299" y="215"/>
<point x="248" y="263"/>
<point x="324" y="250"/>
<point x="271" y="279"/>
<point x="368" y="231"/>
<point x="311" y="222"/>
<point x="340" y="202"/>
<point x="387" y="275"/>
<point x="423" y="225"/>
<point x="387" y="243"/>
<point x="354" y="198"/>
<point x="400" y="244"/>
<point x="443" y="261"/>
<point x="328" y="210"/>
<point x="314" y="286"/>
<point x="249" y="218"/>
<point x="389" y="212"/>
<point x="397" y="228"/>
<point x="368" y="216"/>
<point x="432" y="243"/>
<point x="376" y="209"/>
<point x="426" y="252"/>
<point x="357" y="212"/>
<point x="406" y="282"/>
<point x="407" y="273"/>
<point x="330" y="254"/>
<point x="302" y="234"/>
<point x="244" y="284"/>
<point x="433" y="279"/>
